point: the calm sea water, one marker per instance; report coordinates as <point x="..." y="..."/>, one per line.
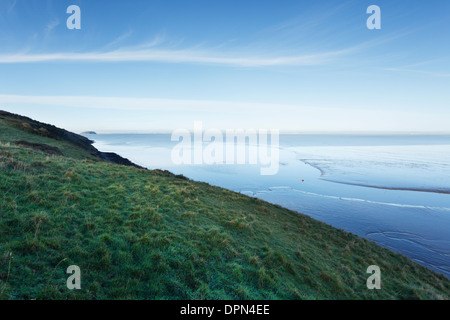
<point x="359" y="183"/>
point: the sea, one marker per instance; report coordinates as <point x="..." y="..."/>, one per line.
<point x="391" y="189"/>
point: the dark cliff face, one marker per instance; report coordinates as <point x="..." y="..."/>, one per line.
<point x="115" y="158"/>
<point x="50" y="131"/>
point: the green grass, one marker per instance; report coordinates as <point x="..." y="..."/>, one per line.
<point x="139" y="234"/>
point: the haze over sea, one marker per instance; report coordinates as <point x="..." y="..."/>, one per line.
<point x="391" y="189"/>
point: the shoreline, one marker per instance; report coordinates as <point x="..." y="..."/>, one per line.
<point x="322" y="173"/>
<point x="390" y="188"/>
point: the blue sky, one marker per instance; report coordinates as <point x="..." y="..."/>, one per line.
<point x="289" y="65"/>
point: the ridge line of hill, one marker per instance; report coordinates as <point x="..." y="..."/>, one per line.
<point x="51" y="131"/>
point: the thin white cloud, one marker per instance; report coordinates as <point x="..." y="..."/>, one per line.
<point x="50" y="26"/>
<point x="147" y="52"/>
<point x="307" y="20"/>
<point x="145" y="113"/>
<point x="143" y="104"/>
<point x="119" y="39"/>
<point x="174" y="56"/>
<point x="153" y="42"/>
<point x="11" y="6"/>
<point x="428" y="73"/>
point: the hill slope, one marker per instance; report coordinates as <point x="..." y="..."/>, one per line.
<point x="141" y="234"/>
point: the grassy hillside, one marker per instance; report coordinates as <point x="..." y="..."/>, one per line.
<point x="140" y="234"/>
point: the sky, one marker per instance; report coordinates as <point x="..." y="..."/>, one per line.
<point x="157" y="66"/>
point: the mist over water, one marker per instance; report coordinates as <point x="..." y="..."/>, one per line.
<point x="359" y="183"/>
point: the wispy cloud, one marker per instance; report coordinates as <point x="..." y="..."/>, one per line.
<point x="142" y="104"/>
<point x="152" y="51"/>
<point x="173" y="56"/>
<point x="119" y="39"/>
<point x="418" y="68"/>
<point x="142" y="113"/>
<point x="50" y="26"/>
<point x="308" y="19"/>
<point x="11" y="6"/>
<point x="428" y="73"/>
